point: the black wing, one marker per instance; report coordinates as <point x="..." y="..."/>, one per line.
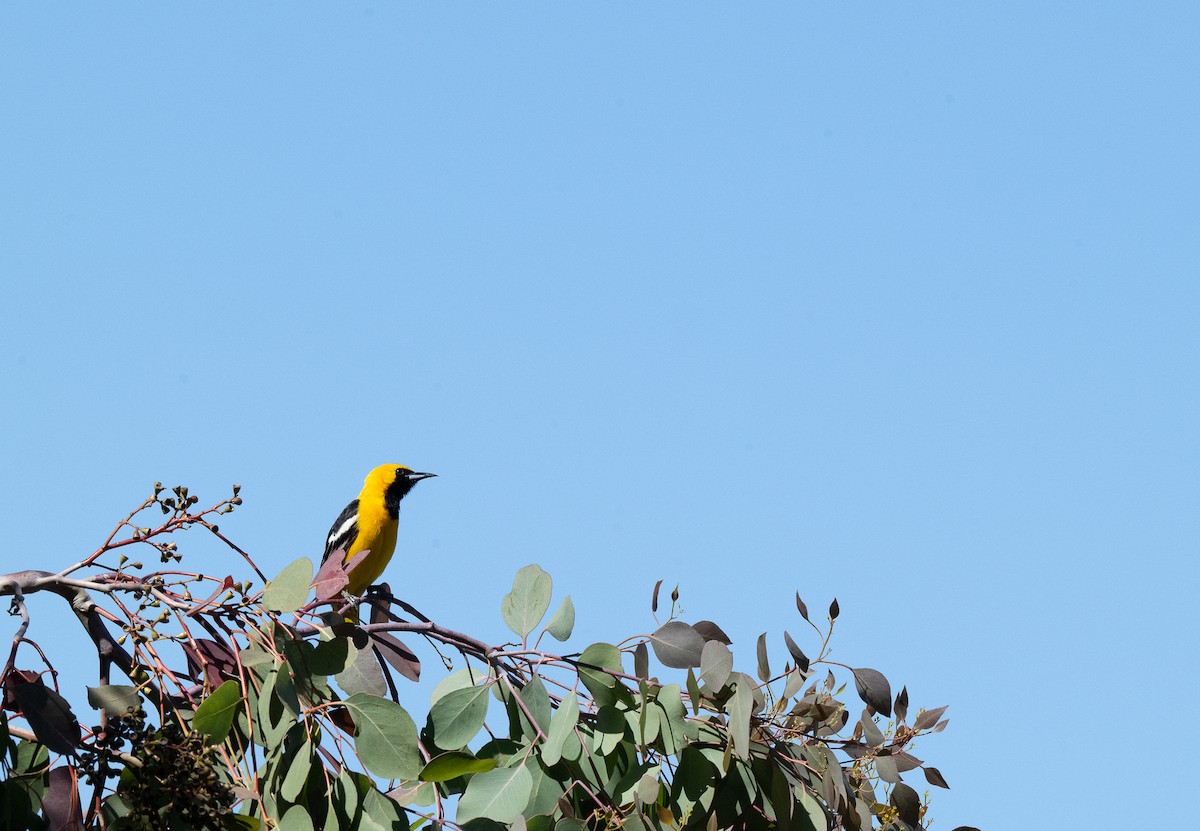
<point x="344" y="531"/>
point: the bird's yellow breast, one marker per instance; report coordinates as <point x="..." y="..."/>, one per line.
<point x="376" y="532"/>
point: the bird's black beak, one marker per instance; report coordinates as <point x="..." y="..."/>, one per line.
<point x="417" y="477"/>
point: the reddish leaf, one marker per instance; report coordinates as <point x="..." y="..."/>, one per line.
<point x="902" y="704"/>
<point x="905" y="761"/>
<point x="885" y="766"/>
<point x="216" y="659"/>
<point x="834" y="609"/>
<point x="797" y="653"/>
<point x="874" y="689"/>
<point x="392" y="650"/>
<point x="801" y="607"/>
<point x="61" y="802"/>
<point x="332" y="576"/>
<point x="711" y="632"/>
<point x="48" y="714"/>
<point x="934" y="777"/>
<point x="928" y="718"/>
<point x="341" y="717"/>
<point x="654" y="597"/>
<point x="908" y="804"/>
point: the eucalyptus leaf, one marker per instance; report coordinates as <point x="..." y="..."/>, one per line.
<point x="740" y="707"/>
<point x="592" y="663"/>
<point x="114" y="699"/>
<point x="214" y="716"/>
<point x="562" y="622"/>
<point x="289" y="591"/>
<point x="524" y="607"/>
<point x="498" y="795"/>
<point x="296" y="819"/>
<point x="716" y="663"/>
<point x="562" y="723"/>
<point x="874" y="689"/>
<point x="362" y="674"/>
<point x="764" y="664"/>
<point x="387" y="737"/>
<point x="458" y="716"/>
<point x="453" y="764"/>
<point x="677" y="645"/>
<point x="380" y="813"/>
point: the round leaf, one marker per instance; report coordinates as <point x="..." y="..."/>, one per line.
<point x="362" y="674"/>
<point x="874" y="689"/>
<point x="498" y="795"/>
<point x="289" y="591"/>
<point x="677" y="645"/>
<point x="387" y="737"/>
<point x="524" y="606"/>
<point x="458" y="716"/>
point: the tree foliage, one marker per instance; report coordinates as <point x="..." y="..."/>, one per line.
<point x="255" y="704"/>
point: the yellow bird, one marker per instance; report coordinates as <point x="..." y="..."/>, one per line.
<point x="369" y="523"/>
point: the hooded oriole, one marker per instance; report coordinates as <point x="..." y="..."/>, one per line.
<point x="369" y="523"/>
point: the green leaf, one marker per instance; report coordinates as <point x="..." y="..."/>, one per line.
<point x="453" y="764"/>
<point x="362" y="674"/>
<point x="673" y="729"/>
<point x="716" y="662"/>
<point x="289" y="591"/>
<point x="601" y="685"/>
<point x="420" y="795"/>
<point x="297" y="772"/>
<point x="214" y="716"/>
<point x="461" y="679"/>
<point x="537" y="700"/>
<point x="677" y="645"/>
<point x="329" y="657"/>
<point x="524" y="606"/>
<point x="114" y="699"/>
<point x="381" y="814"/>
<point x="813" y="813"/>
<point x="740" y="707"/>
<point x="693" y="783"/>
<point x="498" y="795"/>
<point x="562" y="621"/>
<point x="458" y="716"/>
<point x="296" y="819"/>
<point x="610" y="730"/>
<point x="561" y="725"/>
<point x="545" y="794"/>
<point x="254" y="656"/>
<point x="387" y="737"/>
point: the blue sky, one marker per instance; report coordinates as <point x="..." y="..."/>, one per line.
<point x="891" y="302"/>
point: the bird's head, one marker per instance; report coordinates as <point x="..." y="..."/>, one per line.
<point x="395" y="481"/>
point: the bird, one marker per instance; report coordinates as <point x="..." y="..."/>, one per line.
<point x="369" y="524"/>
